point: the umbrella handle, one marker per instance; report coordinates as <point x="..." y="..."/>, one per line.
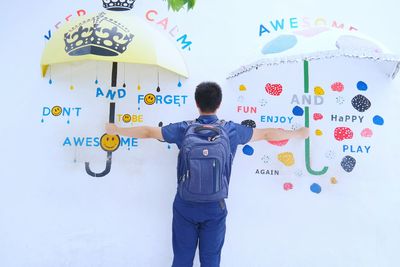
<point x="307" y="146"/>
<point x="109" y="153"/>
<point x="307" y="124"/>
<point x="111" y="119"/>
<point x="103" y="173"/>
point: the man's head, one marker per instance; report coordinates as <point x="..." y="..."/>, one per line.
<point x="208" y="97"/>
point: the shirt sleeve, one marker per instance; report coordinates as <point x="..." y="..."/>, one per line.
<point x="173" y="133"/>
<point x="243" y="133"/>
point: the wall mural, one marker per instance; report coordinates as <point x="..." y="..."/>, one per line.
<point x="305" y="74"/>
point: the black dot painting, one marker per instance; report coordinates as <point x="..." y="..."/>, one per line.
<point x="348" y="163"/>
<point x="249" y="123"/>
<point x="361" y="103"/>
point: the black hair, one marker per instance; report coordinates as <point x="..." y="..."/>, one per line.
<point x="208" y="96"/>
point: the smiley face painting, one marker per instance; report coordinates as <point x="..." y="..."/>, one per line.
<point x="110" y="143"/>
<point x="56" y="111"/>
<point x="149" y="99"/>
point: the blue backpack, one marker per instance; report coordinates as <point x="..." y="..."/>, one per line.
<point x="204" y="162"/>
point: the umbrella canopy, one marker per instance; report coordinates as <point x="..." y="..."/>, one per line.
<point x="325" y="79"/>
<point x="321" y="43"/>
<point x="115" y="37"/>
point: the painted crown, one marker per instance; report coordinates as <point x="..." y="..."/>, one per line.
<point x="99" y="35"/>
<point x="118" y="5"/>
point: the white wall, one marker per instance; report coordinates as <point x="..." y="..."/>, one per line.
<point x="53" y="214"/>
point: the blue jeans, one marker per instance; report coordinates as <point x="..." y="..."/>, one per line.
<point x="198" y="223"/>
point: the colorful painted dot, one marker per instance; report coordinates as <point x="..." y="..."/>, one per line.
<point x="248" y="150"/>
<point x="362" y="86"/>
<point x="334" y="180"/>
<point x="279" y="44"/>
<point x="286" y="158"/>
<point x="50" y="81"/>
<point x="319" y="90"/>
<point x="298" y="111"/>
<point x="337" y="86"/>
<point x="287" y="186"/>
<point x="249" y="123"/>
<point x="179" y="84"/>
<point x="367" y="132"/>
<point x="318" y="132"/>
<point x="96" y="81"/>
<point x="348" y="163"/>
<point x="318" y="116"/>
<point x="274" y="89"/>
<point x="160" y="124"/>
<point x="138" y="87"/>
<point x="315" y="188"/>
<point x="71" y="87"/>
<point x="361" y="103"/>
<point x="378" y="120"/>
<point x="342" y="133"/>
<point x="242" y="87"/>
<point x="279" y="143"/>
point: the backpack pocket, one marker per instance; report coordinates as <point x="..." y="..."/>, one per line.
<point x="204" y="176"/>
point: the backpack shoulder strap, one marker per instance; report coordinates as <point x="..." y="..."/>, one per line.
<point x="190" y="123"/>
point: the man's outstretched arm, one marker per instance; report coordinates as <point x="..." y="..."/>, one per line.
<point x="275" y="134"/>
<point x="137" y="132"/>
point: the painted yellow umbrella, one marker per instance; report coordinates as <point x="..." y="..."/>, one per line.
<point x="116" y="37"/>
<point x="112" y="36"/>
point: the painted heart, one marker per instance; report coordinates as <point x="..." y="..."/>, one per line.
<point x="273" y="89"/>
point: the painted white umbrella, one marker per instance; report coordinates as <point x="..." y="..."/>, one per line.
<point x="315" y="44"/>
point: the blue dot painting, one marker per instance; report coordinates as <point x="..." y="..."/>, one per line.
<point x="248" y="150"/>
<point x="348" y="163"/>
<point x="298" y="111"/>
<point x="315" y="188"/>
<point x="280" y="44"/>
<point x="362" y="86"/>
<point x="378" y="120"/>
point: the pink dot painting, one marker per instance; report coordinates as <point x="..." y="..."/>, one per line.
<point x="318" y="116"/>
<point x="279" y="143"/>
<point x="342" y="133"/>
<point x="367" y="132"/>
<point x="337" y="86"/>
<point x="288" y="186"/>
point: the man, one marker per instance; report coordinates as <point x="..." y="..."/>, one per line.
<point x="203" y="223"/>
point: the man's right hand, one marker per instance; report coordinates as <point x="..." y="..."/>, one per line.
<point x="111" y="128"/>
